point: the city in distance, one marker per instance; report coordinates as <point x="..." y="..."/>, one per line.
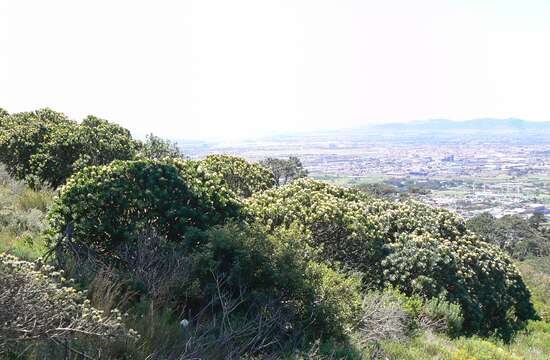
<point x="501" y="166"/>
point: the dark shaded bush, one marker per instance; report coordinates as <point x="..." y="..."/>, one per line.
<point x="320" y="301"/>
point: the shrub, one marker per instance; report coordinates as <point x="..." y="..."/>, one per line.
<point x="333" y="220"/>
<point x="414" y="247"/>
<point x="384" y="317"/>
<point x="37" y="306"/>
<point x="105" y="206"/>
<point x="438" y="315"/>
<point x="519" y="237"/>
<point x="318" y="300"/>
<point x="242" y="177"/>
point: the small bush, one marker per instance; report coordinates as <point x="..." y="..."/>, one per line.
<point x="438" y="315"/>
<point x="37" y="306"/>
<point x="384" y="317"/>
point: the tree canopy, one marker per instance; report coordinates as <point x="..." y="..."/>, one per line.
<point x="46" y="147"/>
<point x="285" y="170"/>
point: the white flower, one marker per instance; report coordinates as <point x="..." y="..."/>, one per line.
<point x="184" y="323"/>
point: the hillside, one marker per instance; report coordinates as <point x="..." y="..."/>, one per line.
<point x="115" y="248"/>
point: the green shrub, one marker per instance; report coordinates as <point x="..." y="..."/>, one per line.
<point x="22" y="136"/>
<point x="242" y="177"/>
<point x="439" y="315"/>
<point x="278" y="267"/>
<point x="333" y="219"/>
<point x="38" y="306"/>
<point x="414" y="247"/>
<point x="109" y="205"/>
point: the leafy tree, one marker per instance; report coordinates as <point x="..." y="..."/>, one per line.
<point x="45" y="146"/>
<point x="3" y="113"/>
<point x="155" y="147"/>
<point x="285" y="171"/>
<point x="381" y="190"/>
<point x="242" y="177"/>
<point x="23" y="135"/>
<point x="517" y="236"/>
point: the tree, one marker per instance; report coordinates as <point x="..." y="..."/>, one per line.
<point x="517" y="236"/>
<point x="23" y="135"/>
<point x="45" y="147"/>
<point x="155" y="147"/>
<point x="285" y="171"/>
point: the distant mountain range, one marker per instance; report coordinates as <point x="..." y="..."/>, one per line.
<point x="484" y="124"/>
<point x="442" y="131"/>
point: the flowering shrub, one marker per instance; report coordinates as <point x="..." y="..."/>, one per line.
<point x="242" y="177"/>
<point x="414" y="247"/>
<point x="38" y="305"/>
<point x="104" y="206"/>
<point x="333" y="219"/>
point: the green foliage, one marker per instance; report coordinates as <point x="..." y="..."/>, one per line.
<point x="46" y="147"/>
<point x="536" y="273"/>
<point x="531" y="343"/>
<point x="38" y="305"/>
<point x="109" y="205"/>
<point x="21" y="137"/>
<point x="380" y="189"/>
<point x="332" y="218"/>
<point x="155" y="147"/>
<point x="285" y="171"/>
<point x="414" y="247"/>
<point x="242" y="177"/>
<point x="102" y="142"/>
<point x="438" y="314"/>
<point x="278" y="267"/>
<point x="519" y="237"/>
<point x="22" y="214"/>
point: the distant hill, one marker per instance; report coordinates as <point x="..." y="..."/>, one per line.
<point x="436" y="125"/>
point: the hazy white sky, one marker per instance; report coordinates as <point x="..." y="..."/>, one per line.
<point x="197" y="69"/>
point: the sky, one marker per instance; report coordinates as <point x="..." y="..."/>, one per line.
<point x="242" y="68"/>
